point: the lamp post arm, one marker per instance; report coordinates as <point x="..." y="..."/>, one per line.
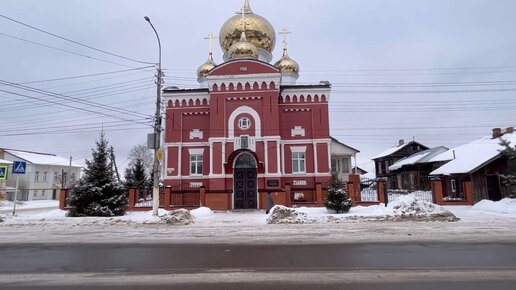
<point x="157" y="131"/>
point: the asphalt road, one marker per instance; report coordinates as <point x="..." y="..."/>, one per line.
<point x="218" y="266"/>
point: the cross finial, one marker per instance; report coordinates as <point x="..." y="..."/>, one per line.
<point x="242" y="11"/>
<point x="210" y="37"/>
<point x="285" y="32"/>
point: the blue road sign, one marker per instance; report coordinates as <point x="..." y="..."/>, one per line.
<point x="19" y="167"/>
<point x="3" y="172"/>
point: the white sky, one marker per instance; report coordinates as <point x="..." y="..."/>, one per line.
<point x="441" y="71"/>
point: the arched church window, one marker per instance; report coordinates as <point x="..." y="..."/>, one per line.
<point x="245" y="160"/>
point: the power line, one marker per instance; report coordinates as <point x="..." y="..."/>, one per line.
<point x="75" y="126"/>
<point x="87" y="97"/>
<point x="70" y="132"/>
<point x="415" y="69"/>
<point x="86" y="76"/>
<point x="68" y="106"/>
<point x="62" y="96"/>
<point x="63" y="50"/>
<point x="74" y="42"/>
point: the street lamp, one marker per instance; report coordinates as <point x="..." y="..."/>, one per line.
<point x="157" y="131"/>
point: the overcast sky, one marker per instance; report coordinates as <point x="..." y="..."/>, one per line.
<point x="440" y="71"/>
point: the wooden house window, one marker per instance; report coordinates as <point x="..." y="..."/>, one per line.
<point x="453" y="185"/>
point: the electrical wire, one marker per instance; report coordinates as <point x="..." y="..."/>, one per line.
<point x="74" y="42"/>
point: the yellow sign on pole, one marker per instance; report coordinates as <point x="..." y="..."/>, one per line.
<point x="3" y="172"/>
<point x="159" y="154"/>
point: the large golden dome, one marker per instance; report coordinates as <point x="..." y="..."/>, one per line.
<point x="258" y="31"/>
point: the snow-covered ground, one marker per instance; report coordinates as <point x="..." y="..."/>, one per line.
<point x="482" y="222"/>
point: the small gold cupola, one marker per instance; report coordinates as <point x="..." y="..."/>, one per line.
<point x="209" y="65"/>
<point x="243" y="49"/>
<point x="288" y="67"/>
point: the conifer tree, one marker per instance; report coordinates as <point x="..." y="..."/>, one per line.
<point x="98" y="193"/>
<point x="338" y="199"/>
<point x="509" y="179"/>
<point x="136" y="177"/>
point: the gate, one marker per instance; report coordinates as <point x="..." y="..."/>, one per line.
<point x="245" y="184"/>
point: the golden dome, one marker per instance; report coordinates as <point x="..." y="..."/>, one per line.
<point x="206" y="67"/>
<point x="258" y="30"/>
<point x="243" y="49"/>
<point x="286" y="64"/>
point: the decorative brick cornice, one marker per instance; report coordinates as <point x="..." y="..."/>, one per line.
<point x="297" y="110"/>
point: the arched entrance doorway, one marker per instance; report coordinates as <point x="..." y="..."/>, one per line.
<point x="244" y="182"/>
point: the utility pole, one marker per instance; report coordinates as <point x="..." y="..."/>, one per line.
<point x="157" y="131"/>
<point x="70" y="171"/>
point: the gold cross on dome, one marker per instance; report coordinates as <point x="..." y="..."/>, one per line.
<point x="210" y="37"/>
<point x="242" y="11"/>
<point x="285" y="32"/>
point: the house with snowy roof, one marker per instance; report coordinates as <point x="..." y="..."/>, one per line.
<point x="392" y="155"/>
<point x="342" y="156"/>
<point x="471" y="172"/>
<point x="45" y="174"/>
<point x="412" y="171"/>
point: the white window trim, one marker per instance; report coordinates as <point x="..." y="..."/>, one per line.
<point x="199" y="151"/>
<point x="298" y="149"/>
<point x="196" y="161"/>
<point x="299" y="163"/>
<point x="247" y="121"/>
<point x="453" y="185"/>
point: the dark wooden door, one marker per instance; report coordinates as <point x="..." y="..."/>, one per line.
<point x="493" y="188"/>
<point x="245" y="188"/>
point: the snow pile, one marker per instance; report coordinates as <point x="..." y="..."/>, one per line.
<point x="284" y="215"/>
<point x="2" y="218"/>
<point x="504" y="206"/>
<point x="201" y="212"/>
<point x="177" y="217"/>
<point x="409" y="207"/>
<point x="10" y="204"/>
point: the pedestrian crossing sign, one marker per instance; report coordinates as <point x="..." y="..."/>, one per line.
<point x="3" y="172"/>
<point x="19" y="167"/>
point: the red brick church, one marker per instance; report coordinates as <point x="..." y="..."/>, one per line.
<point x="249" y="128"/>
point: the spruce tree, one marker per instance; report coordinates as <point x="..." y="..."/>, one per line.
<point x="136" y="177"/>
<point x="98" y="193"/>
<point x="509" y="179"/>
<point x="338" y="199"/>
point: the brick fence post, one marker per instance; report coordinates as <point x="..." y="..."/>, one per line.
<point x="351" y="190"/>
<point x="437" y="186"/>
<point x="63" y="194"/>
<point x="380" y="187"/>
<point x="288" y="196"/>
<point x="468" y="192"/>
<point x="167" y="192"/>
<point x="132" y="198"/>
<point x="319" y="194"/>
<point x="202" y="196"/>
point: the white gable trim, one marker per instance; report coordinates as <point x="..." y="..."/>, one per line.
<point x="244" y="110"/>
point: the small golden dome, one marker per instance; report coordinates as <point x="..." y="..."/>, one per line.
<point x="206" y="67"/>
<point x="243" y="49"/>
<point x="286" y="64"/>
<point x="258" y="30"/>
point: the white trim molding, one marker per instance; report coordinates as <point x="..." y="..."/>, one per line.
<point x="244" y="110"/>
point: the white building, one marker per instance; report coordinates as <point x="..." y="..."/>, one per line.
<point x="45" y="174"/>
<point x="341" y="159"/>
